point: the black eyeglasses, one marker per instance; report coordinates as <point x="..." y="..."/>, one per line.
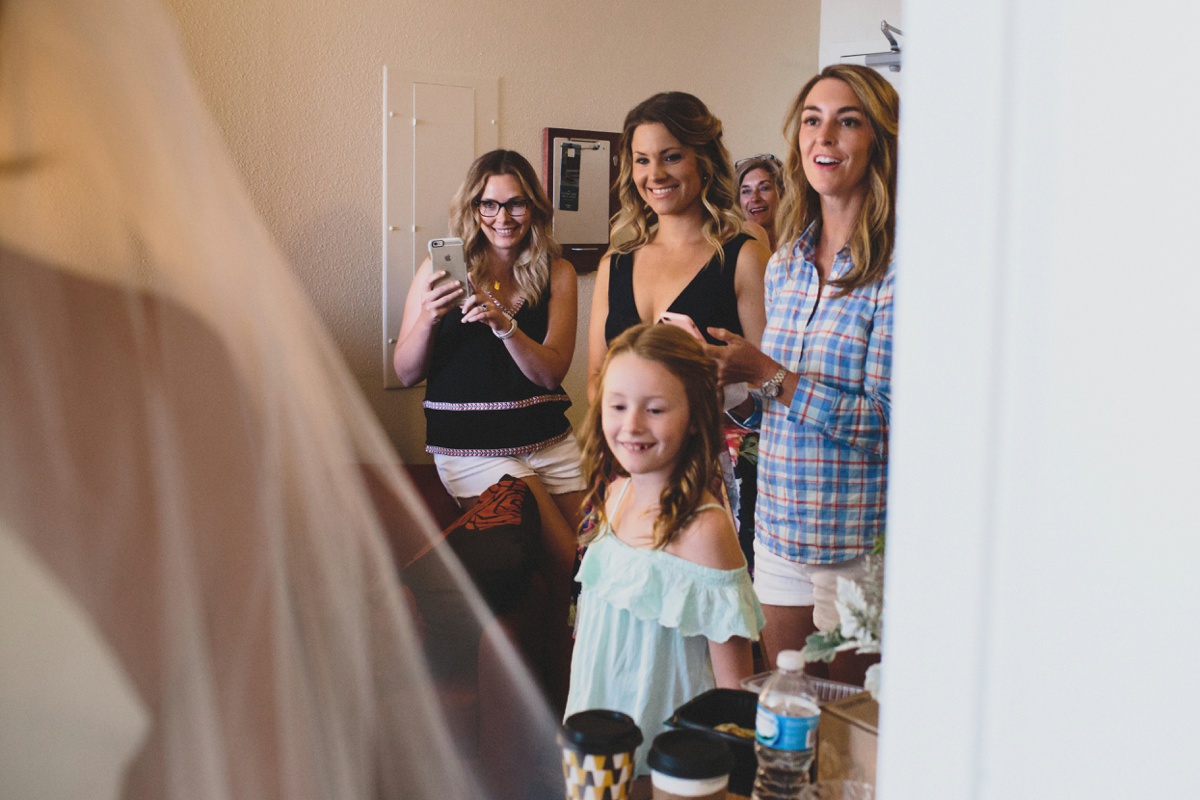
<point x="515" y="207"/>
<point x="760" y="157"/>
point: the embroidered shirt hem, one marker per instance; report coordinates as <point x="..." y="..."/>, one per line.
<point x="499" y="451"/>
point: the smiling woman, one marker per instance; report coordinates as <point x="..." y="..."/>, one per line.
<point x="679" y="252"/>
<point x="494" y="354"/>
<point x="678" y="249"/>
<point x="760" y="187"/>
<point x="826" y="358"/>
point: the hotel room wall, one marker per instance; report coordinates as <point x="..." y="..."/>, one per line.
<point x="295" y="87"/>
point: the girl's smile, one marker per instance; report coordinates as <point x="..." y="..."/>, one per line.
<point x="645" y="415"/>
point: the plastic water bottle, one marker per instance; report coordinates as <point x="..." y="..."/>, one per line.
<point x="785" y="730"/>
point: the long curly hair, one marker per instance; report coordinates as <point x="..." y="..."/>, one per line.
<point x="532" y="270"/>
<point x="689" y="121"/>
<point x="697" y="468"/>
<point x="874" y="236"/>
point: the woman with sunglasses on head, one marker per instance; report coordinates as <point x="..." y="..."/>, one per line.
<point x="826" y="357"/>
<point x="759" y="185"/>
<point x="494" y="354"/>
<point x="679" y="254"/>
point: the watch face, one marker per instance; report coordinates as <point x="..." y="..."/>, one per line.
<point x="771" y="388"/>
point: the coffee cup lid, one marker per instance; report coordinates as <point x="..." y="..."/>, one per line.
<point x="601" y="732"/>
<point x="688" y="753"/>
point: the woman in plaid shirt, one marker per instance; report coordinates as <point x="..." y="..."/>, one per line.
<point x="825" y="361"/>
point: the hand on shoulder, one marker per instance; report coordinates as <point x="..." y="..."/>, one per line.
<point x="710" y="539"/>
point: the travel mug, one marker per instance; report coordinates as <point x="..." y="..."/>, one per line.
<point x="689" y="765"/>
<point x="598" y="749"/>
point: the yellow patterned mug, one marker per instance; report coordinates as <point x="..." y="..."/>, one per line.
<point x="598" y="749"/>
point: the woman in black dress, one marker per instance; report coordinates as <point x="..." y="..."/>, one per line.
<point x="679" y="253"/>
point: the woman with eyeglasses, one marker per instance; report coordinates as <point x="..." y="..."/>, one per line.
<point x="825" y="362"/>
<point x="493" y="355"/>
<point x="760" y="187"/>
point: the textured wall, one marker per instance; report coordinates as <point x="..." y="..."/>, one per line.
<point x="296" y="87"/>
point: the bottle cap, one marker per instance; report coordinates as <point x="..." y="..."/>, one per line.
<point x="790" y="660"/>
<point x="690" y="754"/>
<point x="599" y="732"/>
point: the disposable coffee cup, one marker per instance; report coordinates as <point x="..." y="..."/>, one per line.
<point x="598" y="749"/>
<point x="689" y="765"/>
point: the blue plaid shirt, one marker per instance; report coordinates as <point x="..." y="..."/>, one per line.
<point x="822" y="468"/>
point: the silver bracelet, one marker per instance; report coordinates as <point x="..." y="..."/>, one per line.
<point x="507" y="334"/>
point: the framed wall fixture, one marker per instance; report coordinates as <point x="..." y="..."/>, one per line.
<point x="579" y="169"/>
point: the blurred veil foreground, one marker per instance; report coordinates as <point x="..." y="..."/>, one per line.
<point x="197" y="599"/>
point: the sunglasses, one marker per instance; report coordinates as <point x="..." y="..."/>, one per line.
<point x="760" y="157"/>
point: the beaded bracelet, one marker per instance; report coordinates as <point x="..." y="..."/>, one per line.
<point x="507" y="334"/>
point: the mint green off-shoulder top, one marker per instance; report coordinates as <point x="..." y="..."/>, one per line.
<point x="644" y="621"/>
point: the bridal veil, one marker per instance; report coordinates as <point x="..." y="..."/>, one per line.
<point x="181" y="465"/>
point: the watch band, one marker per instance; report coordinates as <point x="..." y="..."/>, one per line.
<point x="772" y="387"/>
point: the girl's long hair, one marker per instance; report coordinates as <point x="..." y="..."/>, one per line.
<point x="874" y="236"/>
<point x="689" y="121"/>
<point x="697" y="468"/>
<point x="532" y="270"/>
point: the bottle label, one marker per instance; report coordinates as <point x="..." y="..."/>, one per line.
<point x="782" y="732"/>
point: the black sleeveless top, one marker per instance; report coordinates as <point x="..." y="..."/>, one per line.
<point x="477" y="400"/>
<point x="710" y="299"/>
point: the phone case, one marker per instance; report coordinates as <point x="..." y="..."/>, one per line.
<point x="447" y="254"/>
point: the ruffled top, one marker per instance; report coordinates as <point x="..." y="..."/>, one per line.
<point x="645" y="618"/>
<point x="657" y="586"/>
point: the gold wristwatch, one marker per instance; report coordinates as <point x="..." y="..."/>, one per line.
<point x="772" y="387"/>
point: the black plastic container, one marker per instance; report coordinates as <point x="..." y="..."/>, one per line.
<point x="718" y="706"/>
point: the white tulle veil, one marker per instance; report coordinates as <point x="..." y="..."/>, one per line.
<point x="183" y="451"/>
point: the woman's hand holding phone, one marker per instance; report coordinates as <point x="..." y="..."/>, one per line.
<point x="448" y="280"/>
<point x="440" y="296"/>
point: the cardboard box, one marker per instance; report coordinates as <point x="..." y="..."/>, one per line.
<point x="847" y="739"/>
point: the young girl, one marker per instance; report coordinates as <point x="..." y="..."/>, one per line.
<point x="667" y="610"/>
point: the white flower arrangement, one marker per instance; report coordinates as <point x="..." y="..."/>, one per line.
<point x="860" y="625"/>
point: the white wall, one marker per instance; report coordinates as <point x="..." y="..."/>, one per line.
<point x="1044" y="524"/>
<point x="852" y="27"/>
<point x="295" y="87"/>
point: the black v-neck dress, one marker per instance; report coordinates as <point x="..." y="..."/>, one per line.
<point x="709" y="299"/>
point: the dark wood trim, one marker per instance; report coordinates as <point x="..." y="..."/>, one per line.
<point x="585" y="256"/>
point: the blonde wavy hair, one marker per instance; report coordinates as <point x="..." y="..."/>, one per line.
<point x="874" y="236"/>
<point x="689" y="121"/>
<point x="697" y="468"/>
<point x="532" y="271"/>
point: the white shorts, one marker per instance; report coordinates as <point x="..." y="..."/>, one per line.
<point x="556" y="466"/>
<point x="779" y="582"/>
